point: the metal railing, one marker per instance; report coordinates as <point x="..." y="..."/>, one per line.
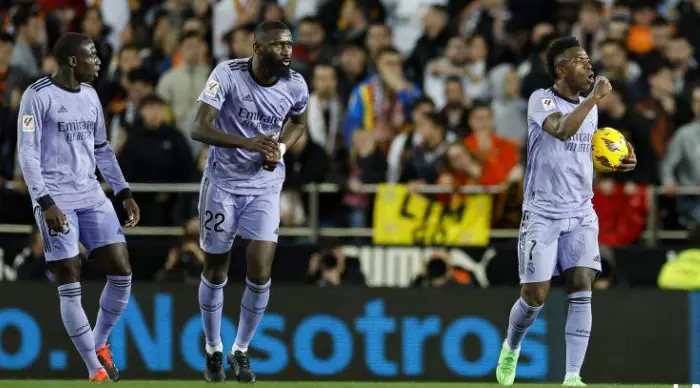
<point x="651" y="235"/>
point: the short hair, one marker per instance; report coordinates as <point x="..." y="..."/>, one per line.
<point x="615" y="42"/>
<point x="441" y="9"/>
<point x="594" y="4"/>
<point x="68" y="45"/>
<point x="557" y="48"/>
<point x="423" y="99"/>
<point x="22" y="16"/>
<point x="127" y="47"/>
<point x="152" y="99"/>
<point x="264" y="29"/>
<point x="388" y="50"/>
<point x="143" y="75"/>
<point x="454" y="78"/>
<point x="190" y="35"/>
<point x="437" y="119"/>
<point x="310" y="20"/>
<point x="6" y="38"/>
<point x="656" y="65"/>
<point x="479" y="104"/>
<point x="659" y="21"/>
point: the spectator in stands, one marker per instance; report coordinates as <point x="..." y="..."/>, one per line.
<point x="661" y="33"/>
<point x="461" y="168"/>
<point x="30" y="264"/>
<point x="311" y="46"/>
<point x="499" y="157"/>
<point x="435" y="36"/>
<point x="27" y="36"/>
<point x="163" y="44"/>
<point x="456" y="64"/>
<point x="616" y="66"/>
<point x="49" y="66"/>
<point x="507" y="105"/>
<point x="185" y="259"/>
<point x="639" y="39"/>
<point x="113" y="90"/>
<point x="686" y="72"/>
<point x="368" y="166"/>
<point x="589" y="27"/>
<point x="454" y="113"/>
<point x="241" y="43"/>
<point x="356" y="22"/>
<point x="688" y="24"/>
<point x="326" y="113"/>
<point x="537" y="76"/>
<point x="618" y="27"/>
<point x="425" y="162"/>
<point x="381" y="103"/>
<point x="180" y="86"/>
<point x="326" y="269"/>
<point x="403" y="144"/>
<point x="10" y="75"/>
<point x="352" y="69"/>
<point x="377" y="39"/>
<point x="305" y="163"/>
<point x="681" y="164"/>
<point x="156" y="152"/>
<point x="616" y="111"/>
<point x="140" y="85"/>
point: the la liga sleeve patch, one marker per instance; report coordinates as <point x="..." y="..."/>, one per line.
<point x="28" y="123"/>
<point x="548" y="104"/>
<point x="211" y="89"/>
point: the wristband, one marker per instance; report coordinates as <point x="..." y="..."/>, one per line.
<point x="124" y="195"/>
<point x="45" y="202"/>
<point x="283" y="149"/>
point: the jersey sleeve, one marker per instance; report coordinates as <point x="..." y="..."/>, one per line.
<point x="301" y="95"/>
<point x="29" y="131"/>
<point x="541" y="106"/>
<point x="218" y="87"/>
<point x="105" y="158"/>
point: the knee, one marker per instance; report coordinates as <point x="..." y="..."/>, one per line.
<point x="534" y="296"/>
<point x="66" y="271"/>
<point x="581" y="281"/>
<point x="259" y="278"/>
<point x="215" y="275"/>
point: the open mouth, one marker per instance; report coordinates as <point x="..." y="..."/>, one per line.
<point x="286" y="62"/>
<point x="591" y="78"/>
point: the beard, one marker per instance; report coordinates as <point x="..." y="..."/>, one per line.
<point x="275" y="67"/>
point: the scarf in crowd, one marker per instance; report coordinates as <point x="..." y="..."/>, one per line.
<point x="321" y="132"/>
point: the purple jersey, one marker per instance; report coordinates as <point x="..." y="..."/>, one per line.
<point x="559" y="174"/>
<point x="249" y="109"/>
<point x="61" y="139"/>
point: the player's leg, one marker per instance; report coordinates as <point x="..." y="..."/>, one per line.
<point x="580" y="261"/>
<point x="537" y="254"/>
<point x="217" y="230"/>
<point x="61" y="252"/>
<point x="102" y="235"/>
<point x="259" y="223"/>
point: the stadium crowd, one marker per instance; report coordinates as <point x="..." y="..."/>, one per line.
<point x="410" y="91"/>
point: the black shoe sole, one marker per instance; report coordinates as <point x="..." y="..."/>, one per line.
<point x="214" y="377"/>
<point x="112" y="372"/>
<point x="233" y="368"/>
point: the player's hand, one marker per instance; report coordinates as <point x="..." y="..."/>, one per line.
<point x="264" y="144"/>
<point x="55" y="219"/>
<point x="275" y="159"/>
<point x="133" y="213"/>
<point x="601" y="88"/>
<point x="629" y="162"/>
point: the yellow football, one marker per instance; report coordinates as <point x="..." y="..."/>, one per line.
<point x="609" y="147"/>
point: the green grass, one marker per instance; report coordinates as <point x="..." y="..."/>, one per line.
<point x="279" y="384"/>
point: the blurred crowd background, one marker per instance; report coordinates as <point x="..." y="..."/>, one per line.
<point x="404" y="91"/>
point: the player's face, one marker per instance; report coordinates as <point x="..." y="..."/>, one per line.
<point x="276" y="53"/>
<point x="87" y="63"/>
<point x="578" y="71"/>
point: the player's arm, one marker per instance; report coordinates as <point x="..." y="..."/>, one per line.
<point x="564" y="126"/>
<point x="296" y="125"/>
<point x="29" y="132"/>
<point x="109" y="168"/>
<point x="216" y="91"/>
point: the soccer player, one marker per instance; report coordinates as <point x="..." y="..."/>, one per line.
<point x="559" y="228"/>
<point x="61" y="138"/>
<point x="241" y="115"/>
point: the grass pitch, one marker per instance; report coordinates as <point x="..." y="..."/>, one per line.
<point x="287" y="384"/>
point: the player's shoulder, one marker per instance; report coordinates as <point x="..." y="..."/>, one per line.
<point x="297" y="83"/>
<point x="541" y="93"/>
<point x="543" y="99"/>
<point x="38" y="87"/>
<point x="88" y="89"/>
<point x="234" y="65"/>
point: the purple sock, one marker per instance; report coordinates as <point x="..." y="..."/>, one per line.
<point x="77" y="325"/>
<point x="115" y="297"/>
<point x="578" y="330"/>
<point x="211" y="304"/>
<point x="522" y="316"/>
<point x="253" y="307"/>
